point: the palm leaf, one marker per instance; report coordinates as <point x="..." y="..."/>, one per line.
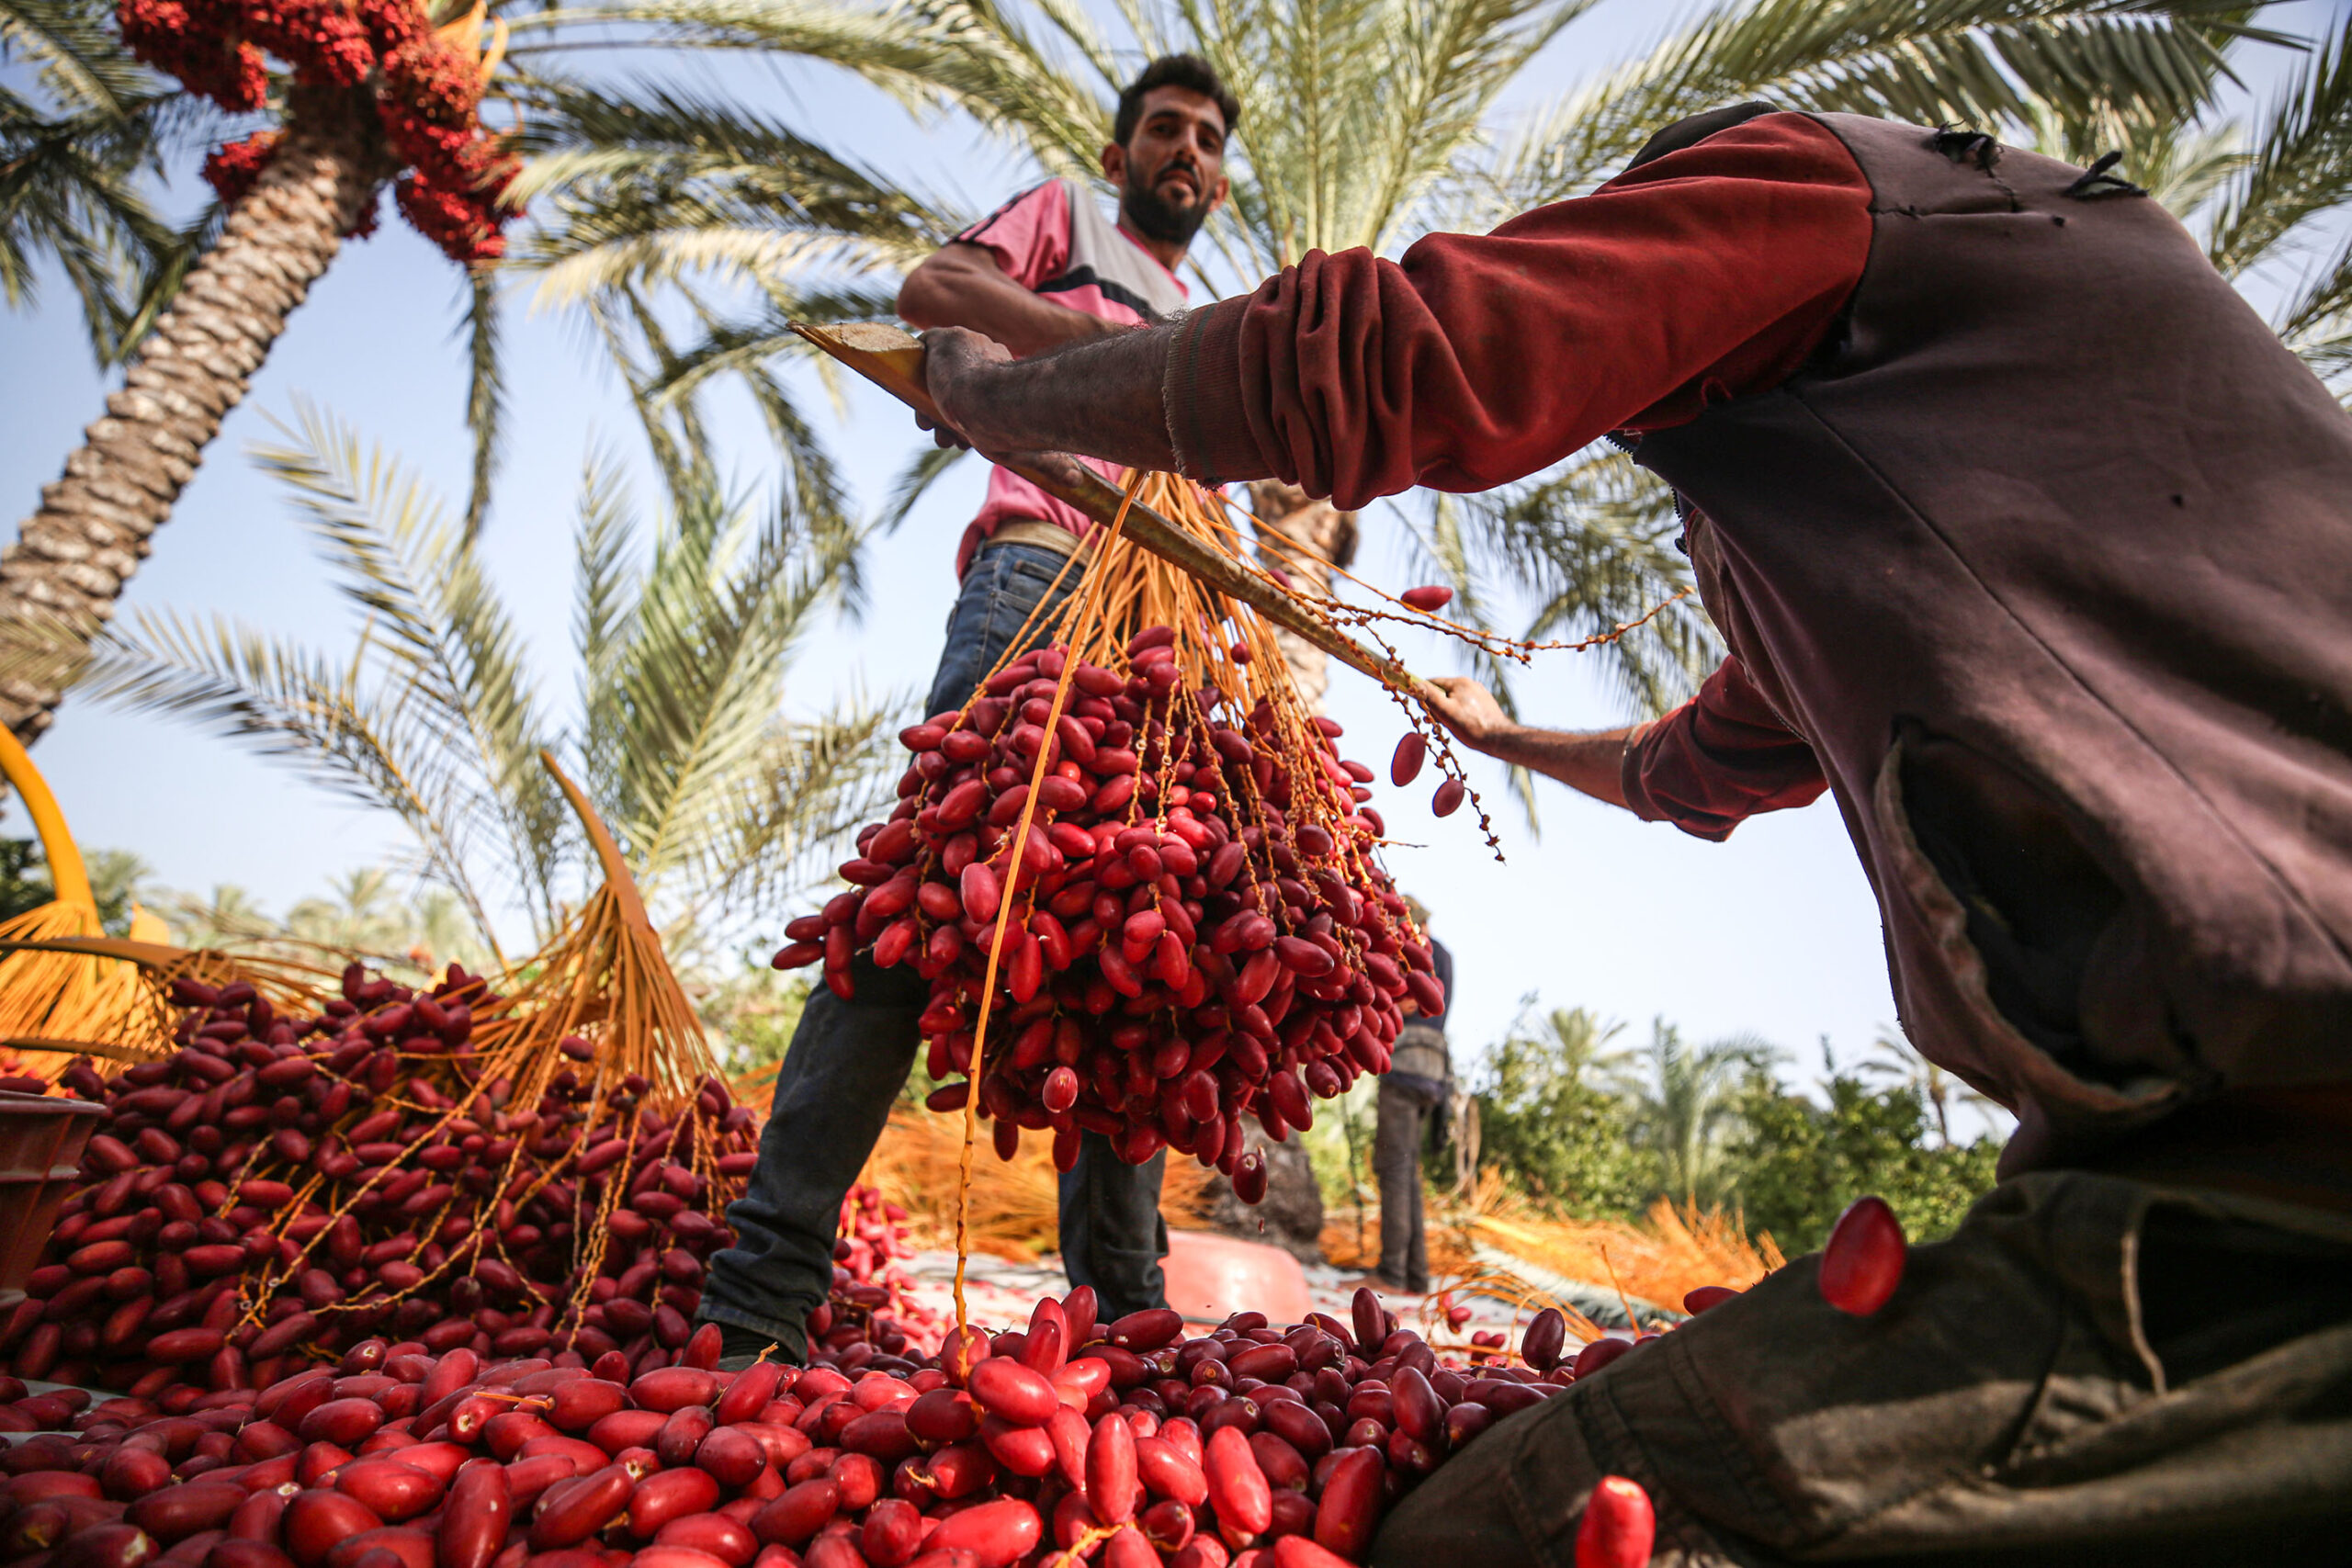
<point x="446" y="637"/>
<point x="2300" y="165"/>
<point x="72" y="155"/>
<point x="1985" y="62"/>
<point x="297" y="706"/>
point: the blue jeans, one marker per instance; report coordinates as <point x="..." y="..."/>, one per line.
<point x="849" y="1060"/>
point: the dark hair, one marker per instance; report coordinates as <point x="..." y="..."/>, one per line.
<point x="1189" y="72"/>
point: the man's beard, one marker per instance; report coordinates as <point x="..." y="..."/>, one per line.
<point x="1158" y="220"/>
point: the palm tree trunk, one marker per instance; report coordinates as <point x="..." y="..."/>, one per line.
<point x="74" y="556"/>
<point x="1325" y="536"/>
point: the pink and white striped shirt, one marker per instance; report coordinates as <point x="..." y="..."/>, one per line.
<point x="1055" y="241"/>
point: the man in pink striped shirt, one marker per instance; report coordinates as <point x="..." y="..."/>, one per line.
<point x="1046" y="269"/>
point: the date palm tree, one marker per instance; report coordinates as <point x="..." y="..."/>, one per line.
<point x="347" y="125"/>
<point x="1682" y="1107"/>
<point x="75" y="141"/>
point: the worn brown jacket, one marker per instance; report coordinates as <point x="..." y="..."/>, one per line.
<point x="2049" y="555"/>
<point x="2045" y="551"/>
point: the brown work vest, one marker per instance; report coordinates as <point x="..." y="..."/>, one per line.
<point x="2048" y="554"/>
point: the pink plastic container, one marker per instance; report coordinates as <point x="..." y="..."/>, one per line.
<point x="1210" y="1276"/>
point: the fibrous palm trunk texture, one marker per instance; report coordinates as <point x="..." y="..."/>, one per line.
<point x="1324" y="537"/>
<point x="73" y="556"/>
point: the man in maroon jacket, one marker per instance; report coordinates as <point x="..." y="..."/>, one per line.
<point x="2029" y="544"/>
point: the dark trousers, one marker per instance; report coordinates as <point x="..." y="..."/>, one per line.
<point x="2092" y="1372"/>
<point x="849" y="1059"/>
<point x="1403" y="1111"/>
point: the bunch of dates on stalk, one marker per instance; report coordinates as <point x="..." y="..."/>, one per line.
<point x="1198" y="932"/>
<point x="1123" y="1443"/>
<point x="283" y="1188"/>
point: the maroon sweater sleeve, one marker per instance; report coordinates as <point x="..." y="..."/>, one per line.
<point x="1706" y="274"/>
<point x="1718" y="760"/>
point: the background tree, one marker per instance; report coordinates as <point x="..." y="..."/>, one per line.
<point x="1939" y="1091"/>
<point x="76" y="140"/>
<point x="368" y="911"/>
<point x="115" y="877"/>
<point x="1800" y="1162"/>
<point x="2275" y="219"/>
<point x="367" y="95"/>
<point x="1681" y="1110"/>
<point x="683" y="642"/>
<point x="1547" y="1119"/>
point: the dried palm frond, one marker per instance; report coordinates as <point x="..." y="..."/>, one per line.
<point x="605" y="979"/>
<point x="1671" y="1251"/>
<point x="1014" y="1203"/>
<point x="151" y="1011"/>
<point x="56" y="1002"/>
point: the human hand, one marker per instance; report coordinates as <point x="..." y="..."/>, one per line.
<point x="1470" y="711"/>
<point x="957" y="363"/>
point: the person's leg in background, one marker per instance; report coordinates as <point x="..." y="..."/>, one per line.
<point x="1397" y="1165"/>
<point x="849" y="1058"/>
<point x="1112" y="1235"/>
<point x="1416" y="1251"/>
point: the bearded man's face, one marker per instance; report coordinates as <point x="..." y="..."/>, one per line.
<point x="1172" y="172"/>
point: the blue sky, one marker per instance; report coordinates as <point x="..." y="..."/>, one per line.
<point x="1774" y="933"/>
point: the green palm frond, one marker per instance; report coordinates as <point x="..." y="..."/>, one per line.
<point x="445" y="636"/>
<point x="2300" y="167"/>
<point x="686" y="635"/>
<point x="639" y="346"/>
<point x="897" y="48"/>
<point x="2317" y="322"/>
<point x="1592" y="545"/>
<point x="2275" y="220"/>
<point x="605" y="595"/>
<point x="712" y="794"/>
<point x="363" y="740"/>
<point x="80" y="59"/>
<point x="694" y="685"/>
<point x="1682" y="1105"/>
<point x="70" y="196"/>
<point x="779" y="817"/>
<point x="649" y="184"/>
<point x="73" y="152"/>
<point x="1354" y="111"/>
<point x="1988" y="63"/>
<point x="659" y="192"/>
<point x="926" y="468"/>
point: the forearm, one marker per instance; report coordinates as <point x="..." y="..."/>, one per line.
<point x="964" y="286"/>
<point x="1593" y="764"/>
<point x="1481" y="359"/>
<point x="1101" y="398"/>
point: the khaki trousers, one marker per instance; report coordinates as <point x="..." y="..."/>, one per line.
<point x="2092" y="1370"/>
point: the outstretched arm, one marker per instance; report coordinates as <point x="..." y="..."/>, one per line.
<point x="1593" y="762"/>
<point x="1719" y="759"/>
<point x="1711" y="272"/>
